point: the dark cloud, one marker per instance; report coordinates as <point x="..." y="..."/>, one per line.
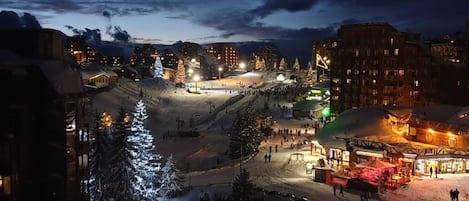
<point x="181" y="16"/>
<point x="118" y="34"/>
<point x="271" y="6"/>
<point x="93" y="36"/>
<point x="10" y="19"/>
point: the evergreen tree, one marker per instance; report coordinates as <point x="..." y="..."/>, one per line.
<point x="243" y="188"/>
<point x="158" y="72"/>
<point x="119" y="185"/>
<point x="98" y="155"/>
<point x="296" y="65"/>
<point x="144" y="163"/>
<point x="310" y="78"/>
<point x="245" y="137"/>
<point x="180" y="73"/>
<point x="282" y="65"/>
<point x="171" y="182"/>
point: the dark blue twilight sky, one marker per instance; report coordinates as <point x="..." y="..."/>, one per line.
<point x="204" y="21"/>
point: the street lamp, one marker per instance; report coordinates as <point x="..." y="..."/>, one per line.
<point x="190" y="71"/>
<point x="196" y="79"/>
<point x="220" y="69"/>
<point x="242" y="65"/>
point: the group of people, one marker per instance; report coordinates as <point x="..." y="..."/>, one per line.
<point x="454" y="195"/>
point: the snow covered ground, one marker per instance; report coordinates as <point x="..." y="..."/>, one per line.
<point x="203" y="157"/>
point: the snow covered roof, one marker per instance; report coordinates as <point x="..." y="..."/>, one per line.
<point x="373" y="124"/>
<point x="313" y="105"/>
<point x="365" y="123"/>
<point x="60" y="75"/>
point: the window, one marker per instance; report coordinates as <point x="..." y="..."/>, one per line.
<point x="374" y="81"/>
<point x="374" y="72"/>
<point x="392" y="41"/>
<point x="5" y="185"/>
<point x="357" y="52"/>
<point x="349" y="80"/>
<point x="416" y="83"/>
<point x="396" y="52"/>
<point x="336" y="80"/>
<point x="374" y="92"/>
<point x="336" y="98"/>
<point x="386" y="52"/>
<point x="385" y="102"/>
<point x="349" y="71"/>
<point x="401" y="72"/>
<point x="375" y="101"/>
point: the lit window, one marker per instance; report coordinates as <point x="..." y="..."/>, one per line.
<point x="416" y="83"/>
<point x="401" y="72"/>
<point x="349" y="71"/>
<point x="392" y="41"/>
<point x="336" y="98"/>
<point x="396" y="52"/>
<point x="357" y="52"/>
<point x="374" y="92"/>
<point x="336" y="80"/>
<point x="349" y="80"/>
<point x="375" y="101"/>
<point x="374" y="81"/>
<point x="385" y="102"/>
<point x="386" y="52"/>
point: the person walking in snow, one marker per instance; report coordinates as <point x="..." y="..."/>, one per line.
<point x="276" y="146"/>
<point x="270" y="149"/>
<point x="265" y="158"/>
<point x="270" y="157"/>
<point x="431" y="172"/>
<point x="456" y="195"/>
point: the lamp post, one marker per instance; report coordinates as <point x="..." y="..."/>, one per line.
<point x="220" y="69"/>
<point x="242" y="65"/>
<point x="196" y="79"/>
<point x="190" y="71"/>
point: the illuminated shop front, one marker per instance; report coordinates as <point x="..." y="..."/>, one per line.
<point x="444" y="165"/>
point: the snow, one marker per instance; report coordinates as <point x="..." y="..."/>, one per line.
<point x="365" y="123"/>
<point x="198" y="156"/>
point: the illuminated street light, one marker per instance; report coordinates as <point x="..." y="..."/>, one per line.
<point x="196" y="79"/>
<point x="220" y="69"/>
<point x="242" y="65"/>
<point x="190" y="71"/>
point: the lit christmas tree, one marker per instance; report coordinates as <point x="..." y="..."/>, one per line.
<point x="180" y="73"/>
<point x="144" y="162"/>
<point x="296" y="65"/>
<point x="171" y="182"/>
<point x="309" y="76"/>
<point x="281" y="66"/>
<point x="158" y="72"/>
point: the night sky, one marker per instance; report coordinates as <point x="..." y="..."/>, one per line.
<point x="205" y="21"/>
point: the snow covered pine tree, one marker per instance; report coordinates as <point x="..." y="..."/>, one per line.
<point x="158" y="72"/>
<point x="144" y="162"/>
<point x="171" y="182"/>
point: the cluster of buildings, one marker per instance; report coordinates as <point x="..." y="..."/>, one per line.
<point x="374" y="64"/>
<point x="396" y="98"/>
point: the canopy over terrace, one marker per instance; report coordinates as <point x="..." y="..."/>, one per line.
<point x="376" y="164"/>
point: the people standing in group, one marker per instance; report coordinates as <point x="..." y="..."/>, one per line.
<point x="454" y="195"/>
